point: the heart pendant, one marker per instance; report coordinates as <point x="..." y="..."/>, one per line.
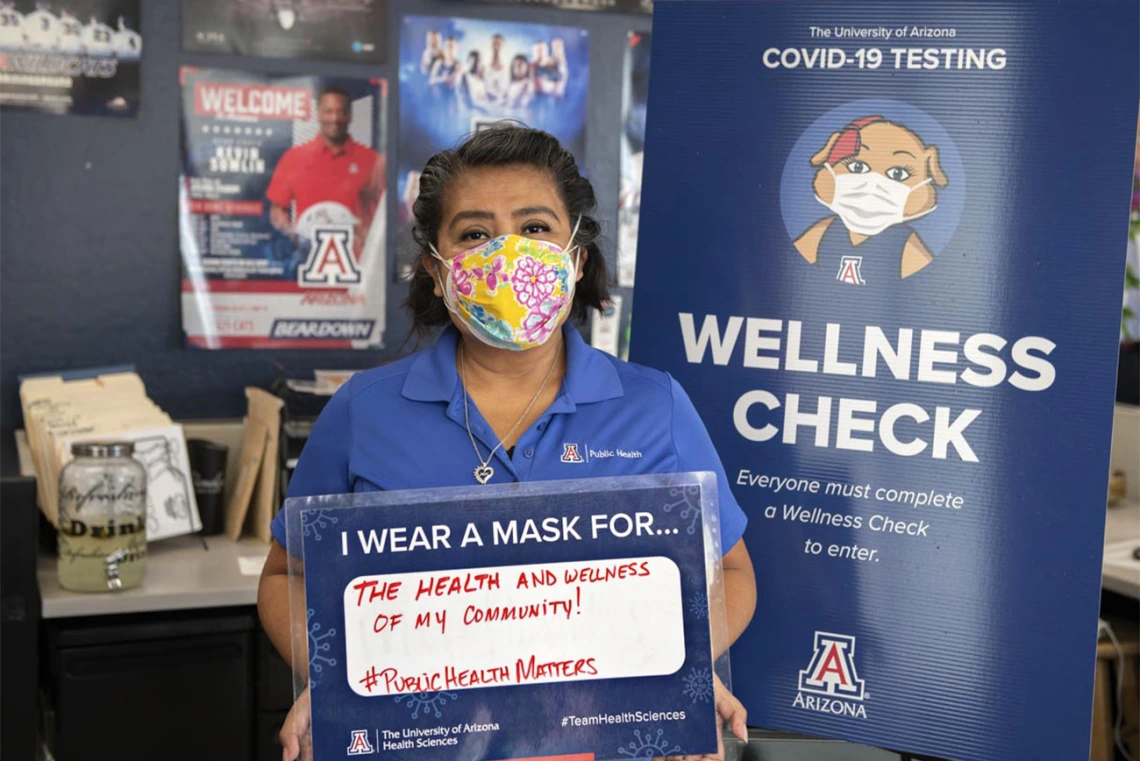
<point x="483" y="473"/>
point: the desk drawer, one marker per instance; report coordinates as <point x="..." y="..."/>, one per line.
<point x="274" y="678"/>
<point x="179" y="698"/>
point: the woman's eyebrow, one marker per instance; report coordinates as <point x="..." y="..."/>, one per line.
<point x="908" y="153"/>
<point x="470" y="214"/>
<point x="526" y="211"/>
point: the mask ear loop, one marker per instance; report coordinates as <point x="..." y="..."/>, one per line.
<point x="443" y="279"/>
<point x="574" y="264"/>
<point x="833" y="177"/>
<point x="576" y="260"/>
<point x="921" y="214"/>
<point x="570" y="243"/>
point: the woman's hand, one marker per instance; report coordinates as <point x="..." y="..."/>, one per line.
<point x="728" y="709"/>
<point x="296" y="733"/>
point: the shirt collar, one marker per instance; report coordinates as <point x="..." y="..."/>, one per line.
<point x="345" y="148"/>
<point x="590" y="374"/>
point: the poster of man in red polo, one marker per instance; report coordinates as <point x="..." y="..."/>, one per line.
<point x="281" y="203"/>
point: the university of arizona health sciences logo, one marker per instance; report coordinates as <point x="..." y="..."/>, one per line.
<point x="830" y="683"/>
<point x="360" y="745"/>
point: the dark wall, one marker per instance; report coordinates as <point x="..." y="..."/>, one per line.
<point x="89" y="262"/>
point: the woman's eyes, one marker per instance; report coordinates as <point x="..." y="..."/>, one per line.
<point x="530" y="229"/>
<point x="898" y="173"/>
<point x="858" y="167"/>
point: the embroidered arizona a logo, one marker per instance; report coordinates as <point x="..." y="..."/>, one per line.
<point x="850" y="270"/>
<point x="330" y="263"/>
<point x="360" y="745"/>
<point x="832" y="668"/>
<point x="570" y="453"/>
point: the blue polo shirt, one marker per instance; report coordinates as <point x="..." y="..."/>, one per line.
<point x="400" y="426"/>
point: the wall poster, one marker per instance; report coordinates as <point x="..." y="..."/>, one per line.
<point x="281" y="203"/>
<point x="338" y="30"/>
<point x="70" y="57"/>
<point x="899" y="319"/>
<point x="634" y="94"/>
<point x="459" y="75"/>
<point x="602" y="6"/>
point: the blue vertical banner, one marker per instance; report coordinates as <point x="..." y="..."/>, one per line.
<point x="882" y="245"/>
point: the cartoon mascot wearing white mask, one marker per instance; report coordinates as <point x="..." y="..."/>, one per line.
<point x="875" y="176"/>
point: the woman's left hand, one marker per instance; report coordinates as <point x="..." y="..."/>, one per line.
<point x="728" y="709"/>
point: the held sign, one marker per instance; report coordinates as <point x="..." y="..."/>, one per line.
<point x="890" y="282"/>
<point x="512" y="621"/>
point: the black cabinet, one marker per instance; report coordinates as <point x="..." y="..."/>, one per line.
<point x="268" y="726"/>
<point x="19" y="607"/>
<point x="139" y="687"/>
<point x="274" y="698"/>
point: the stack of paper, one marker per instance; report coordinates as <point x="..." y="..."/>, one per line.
<point x="256" y="493"/>
<point x="326" y="384"/>
<point x="115" y="407"/>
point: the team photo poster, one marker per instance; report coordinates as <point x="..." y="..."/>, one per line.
<point x="634" y="94"/>
<point x="343" y="30"/>
<point x="458" y="76"/>
<point x="70" y="57"/>
<point x="281" y="204"/>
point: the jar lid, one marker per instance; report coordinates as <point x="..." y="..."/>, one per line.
<point x="103" y="449"/>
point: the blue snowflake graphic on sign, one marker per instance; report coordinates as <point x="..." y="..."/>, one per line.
<point x="689" y="504"/>
<point x="426" y="702"/>
<point x="318" y="647"/>
<point x="699" y="685"/>
<point x="315" y="521"/>
<point x="649" y="745"/>
<point x="699" y="605"/>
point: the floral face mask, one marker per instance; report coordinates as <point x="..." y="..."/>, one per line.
<point x="511" y="292"/>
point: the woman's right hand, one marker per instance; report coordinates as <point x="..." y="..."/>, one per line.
<point x="296" y="733"/>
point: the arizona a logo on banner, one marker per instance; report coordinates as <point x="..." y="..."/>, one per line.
<point x="831" y="674"/>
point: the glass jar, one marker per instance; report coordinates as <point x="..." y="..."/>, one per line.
<point x="102" y="519"/>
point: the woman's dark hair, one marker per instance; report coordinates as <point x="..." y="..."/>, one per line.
<point x="504" y="145"/>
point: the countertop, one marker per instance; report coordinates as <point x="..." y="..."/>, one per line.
<point x="180" y="574"/>
<point x="1121" y="537"/>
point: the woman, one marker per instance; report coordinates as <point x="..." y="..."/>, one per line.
<point x="508" y="382"/>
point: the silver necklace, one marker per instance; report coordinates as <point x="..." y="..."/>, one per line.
<point x="484" y="471"/>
